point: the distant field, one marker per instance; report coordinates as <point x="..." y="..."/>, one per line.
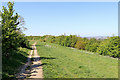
<point x="64" y="62"/>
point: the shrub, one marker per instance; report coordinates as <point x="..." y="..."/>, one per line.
<point x="92" y="45"/>
<point x="109" y="47"/>
<point x="80" y="44"/>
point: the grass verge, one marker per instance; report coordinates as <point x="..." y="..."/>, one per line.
<point x="11" y="64"/>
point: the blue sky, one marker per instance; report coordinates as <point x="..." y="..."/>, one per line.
<point x="76" y="18"/>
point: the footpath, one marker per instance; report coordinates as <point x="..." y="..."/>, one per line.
<point x="33" y="68"/>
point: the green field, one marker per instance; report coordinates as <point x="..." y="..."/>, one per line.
<point x="32" y="42"/>
<point x="64" y="62"/>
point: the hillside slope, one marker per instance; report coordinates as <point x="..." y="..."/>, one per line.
<point x="64" y="62"/>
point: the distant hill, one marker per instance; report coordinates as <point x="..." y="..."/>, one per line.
<point x="98" y="37"/>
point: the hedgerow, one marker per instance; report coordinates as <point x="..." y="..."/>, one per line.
<point x="107" y="46"/>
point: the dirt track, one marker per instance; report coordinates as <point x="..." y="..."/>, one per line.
<point x="32" y="69"/>
<point x="36" y="67"/>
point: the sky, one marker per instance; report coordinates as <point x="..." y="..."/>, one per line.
<point x="61" y="0"/>
<point x="75" y="18"/>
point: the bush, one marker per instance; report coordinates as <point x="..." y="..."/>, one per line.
<point x="80" y="44"/>
<point x="92" y="45"/>
<point x="73" y="40"/>
<point x="109" y="47"/>
<point x="67" y="41"/>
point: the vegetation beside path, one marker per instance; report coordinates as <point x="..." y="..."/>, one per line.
<point x="12" y="64"/>
<point x="14" y="44"/>
<point x="59" y="57"/>
<point x="108" y="46"/>
<point x="64" y="62"/>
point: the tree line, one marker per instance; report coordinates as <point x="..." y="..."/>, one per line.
<point x="108" y="47"/>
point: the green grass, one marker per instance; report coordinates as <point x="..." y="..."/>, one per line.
<point x="12" y="63"/>
<point x="64" y="62"/>
<point x="33" y="41"/>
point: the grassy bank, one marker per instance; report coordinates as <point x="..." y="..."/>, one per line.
<point x="63" y="62"/>
<point x="12" y="63"/>
<point x="32" y="42"/>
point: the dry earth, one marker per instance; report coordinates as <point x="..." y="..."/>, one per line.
<point x="32" y="69"/>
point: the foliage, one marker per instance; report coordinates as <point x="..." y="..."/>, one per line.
<point x="109" y="47"/>
<point x="67" y="41"/>
<point x="12" y="36"/>
<point x="73" y="40"/>
<point x="80" y="44"/>
<point x="12" y="64"/>
<point x="92" y="45"/>
<point x="33" y="37"/>
<point x="60" y="40"/>
<point x="50" y="39"/>
<point x="103" y="47"/>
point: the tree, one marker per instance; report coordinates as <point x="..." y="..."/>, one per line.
<point x="73" y="41"/>
<point x="60" y="40"/>
<point x="12" y="36"/>
<point x="67" y="41"/>
<point x="80" y="44"/>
